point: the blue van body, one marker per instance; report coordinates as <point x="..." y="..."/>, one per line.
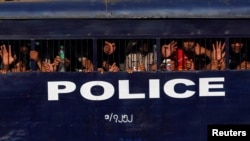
<point x="142" y="106"/>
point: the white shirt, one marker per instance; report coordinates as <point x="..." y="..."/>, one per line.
<point x="133" y="60"/>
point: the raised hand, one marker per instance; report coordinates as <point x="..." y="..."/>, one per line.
<point x="168" y="49"/>
<point x="6" y="55"/>
<point x="189" y="64"/>
<point x="218" y="51"/>
<point x="87" y="64"/>
<point x="114" y="68"/>
<point x="141" y="67"/>
<point x="47" y="67"/>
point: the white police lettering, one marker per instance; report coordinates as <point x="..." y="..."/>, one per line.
<point x="54" y="90"/>
<point x="205" y="85"/>
<point x="154" y="88"/>
<point x="108" y="90"/>
<point x="124" y="89"/>
<point x="154" y="91"/>
<point x="170" y="85"/>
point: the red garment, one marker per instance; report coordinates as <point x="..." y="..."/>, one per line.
<point x="181" y="60"/>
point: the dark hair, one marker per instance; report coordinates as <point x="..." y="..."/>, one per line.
<point x="134" y="45"/>
<point x="131" y="46"/>
<point x="236" y="40"/>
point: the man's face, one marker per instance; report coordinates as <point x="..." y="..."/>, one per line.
<point x="236" y="47"/>
<point x="188" y="45"/>
<point x="109" y="47"/>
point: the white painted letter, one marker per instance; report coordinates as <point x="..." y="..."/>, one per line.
<point x="154" y="90"/>
<point x="108" y="90"/>
<point x="169" y="88"/>
<point x="124" y="91"/>
<point x="54" y="91"/>
<point x="205" y="86"/>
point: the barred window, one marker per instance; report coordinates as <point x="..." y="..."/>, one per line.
<point x="125" y="55"/>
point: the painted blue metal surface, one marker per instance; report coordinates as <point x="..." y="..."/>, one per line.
<point x="139" y="28"/>
<point x="125" y="9"/>
<point x="28" y="115"/>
